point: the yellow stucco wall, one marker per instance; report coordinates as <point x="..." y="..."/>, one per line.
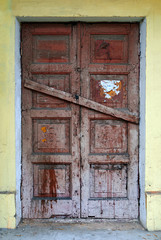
<point x="7" y="211"/>
<point x="154" y="210"/>
<point x="7" y="113"/>
<point x="151" y="9"/>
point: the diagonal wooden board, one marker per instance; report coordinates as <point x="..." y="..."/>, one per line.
<point x="84" y="102"/>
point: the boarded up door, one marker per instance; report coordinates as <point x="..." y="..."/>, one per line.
<point x="80" y="120"/>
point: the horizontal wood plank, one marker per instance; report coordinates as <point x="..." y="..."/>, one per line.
<point x="59" y="114"/>
<point x="109" y="159"/>
<point x="127" y="116"/>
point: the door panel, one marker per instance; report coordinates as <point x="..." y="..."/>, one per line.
<point x="58" y="81"/>
<point x="78" y="162"/>
<point x="109" y="146"/>
<point x="51" y="152"/>
<point x="109" y="90"/>
<point x="108" y="136"/>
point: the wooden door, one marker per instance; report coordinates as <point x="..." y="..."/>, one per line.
<point x="109" y="146"/>
<point x="51" y="150"/>
<point x="80" y="120"/>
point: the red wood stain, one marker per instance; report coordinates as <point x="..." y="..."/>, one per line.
<point x="43" y="206"/>
<point x="102" y="49"/>
<point x="44" y="182"/>
<point x="52" y="45"/>
<point x="53" y="183"/>
<point x="49" y="183"/>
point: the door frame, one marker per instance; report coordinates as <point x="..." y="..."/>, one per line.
<point x="142" y="78"/>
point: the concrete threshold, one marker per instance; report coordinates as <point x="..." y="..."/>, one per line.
<point x="78" y="230"/>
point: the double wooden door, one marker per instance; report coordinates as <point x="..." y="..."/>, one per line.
<point x="80" y="108"/>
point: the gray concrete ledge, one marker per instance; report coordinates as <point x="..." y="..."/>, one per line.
<point x="52" y="230"/>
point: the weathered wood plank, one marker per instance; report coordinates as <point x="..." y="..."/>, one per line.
<point x="113" y="159"/>
<point x="50" y="114"/>
<point x="127" y="116"/>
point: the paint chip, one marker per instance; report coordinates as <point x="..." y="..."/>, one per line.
<point x="109" y="88"/>
<point x="43" y="129"/>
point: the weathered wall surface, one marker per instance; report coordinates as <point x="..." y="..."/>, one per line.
<point x="7" y="113"/>
<point x="151" y="9"/>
